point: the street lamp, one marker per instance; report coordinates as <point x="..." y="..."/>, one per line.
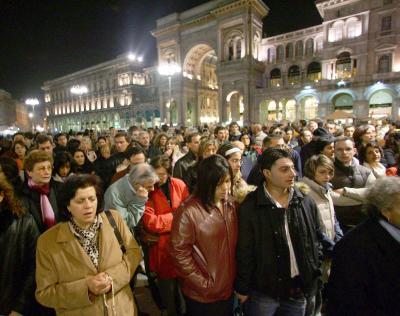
<point x="32" y="102"/>
<point x="169" y="70"/>
<point x="79" y="90"/>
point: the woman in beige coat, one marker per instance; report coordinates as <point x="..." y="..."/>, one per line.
<point x="80" y="267"/>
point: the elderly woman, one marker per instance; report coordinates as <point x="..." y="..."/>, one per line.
<point x="167" y="196"/>
<point x="365" y="270"/>
<point x="129" y="194"/>
<point x="81" y="266"/>
<point x="203" y="241"/>
<point x="18" y="235"/>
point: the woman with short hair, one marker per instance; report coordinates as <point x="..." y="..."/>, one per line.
<point x="81" y="267"/>
<point x="365" y="272"/>
<point x="203" y="241"/>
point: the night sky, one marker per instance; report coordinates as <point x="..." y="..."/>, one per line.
<point x="43" y="40"/>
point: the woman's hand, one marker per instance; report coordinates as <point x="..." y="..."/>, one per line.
<point x="99" y="284"/>
<point x="141" y="191"/>
<point x="14" y="313"/>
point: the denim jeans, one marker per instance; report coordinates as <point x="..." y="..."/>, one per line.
<point x="260" y="304"/>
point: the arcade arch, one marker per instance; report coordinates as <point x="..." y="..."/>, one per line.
<point x="200" y="66"/>
<point x="380" y="104"/>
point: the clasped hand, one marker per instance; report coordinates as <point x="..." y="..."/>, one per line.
<point x="99" y="284"/>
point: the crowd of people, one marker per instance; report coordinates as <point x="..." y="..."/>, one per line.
<point x="286" y="219"/>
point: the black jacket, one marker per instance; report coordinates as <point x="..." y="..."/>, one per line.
<point x="31" y="202"/>
<point x="182" y="167"/>
<point x="365" y="273"/>
<point x="263" y="262"/>
<point x="18" y="237"/>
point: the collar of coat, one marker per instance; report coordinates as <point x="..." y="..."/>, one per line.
<point x="262" y="199"/>
<point x="73" y="247"/>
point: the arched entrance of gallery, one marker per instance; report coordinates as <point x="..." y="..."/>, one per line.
<point x="200" y="77"/>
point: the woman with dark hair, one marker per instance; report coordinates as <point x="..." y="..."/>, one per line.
<point x="64" y="165"/>
<point x="250" y="155"/>
<point x="159" y="145"/>
<point x="83" y="165"/>
<point x="18" y="235"/>
<point x="370" y="156"/>
<point x="168" y="195"/>
<point x="363" y="135"/>
<point x="203" y="241"/>
<point x="365" y="272"/>
<point x="81" y="267"/>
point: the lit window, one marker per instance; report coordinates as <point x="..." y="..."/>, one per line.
<point x="275" y="77"/>
<point x="343" y="66"/>
<point x="123" y="79"/>
<point x="336" y="32"/>
<point x="294" y="75"/>
<point x="47" y="98"/>
<point x="354" y="28"/>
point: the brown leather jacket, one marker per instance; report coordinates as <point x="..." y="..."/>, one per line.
<point x="203" y="246"/>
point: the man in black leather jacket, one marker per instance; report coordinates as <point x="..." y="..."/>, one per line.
<point x="278" y="252"/>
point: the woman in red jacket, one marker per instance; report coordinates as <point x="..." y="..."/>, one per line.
<point x="157" y="218"/>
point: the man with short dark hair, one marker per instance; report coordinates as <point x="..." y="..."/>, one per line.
<point x="278" y="249"/>
<point x="221" y="134"/>
<point x="61" y="140"/>
<point x="45" y="143"/>
<point x="183" y="165"/>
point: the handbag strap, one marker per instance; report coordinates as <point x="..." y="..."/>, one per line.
<point x="116" y="230"/>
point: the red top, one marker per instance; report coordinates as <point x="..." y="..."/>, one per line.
<point x="157" y="218"/>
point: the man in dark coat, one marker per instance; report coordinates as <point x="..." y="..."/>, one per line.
<point x="279" y="242"/>
<point x="182" y="166"/>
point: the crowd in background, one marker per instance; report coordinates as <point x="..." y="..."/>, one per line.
<point x="286" y="219"/>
